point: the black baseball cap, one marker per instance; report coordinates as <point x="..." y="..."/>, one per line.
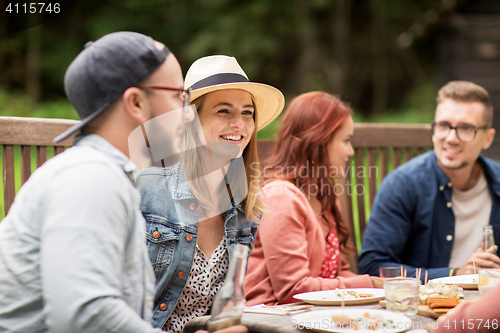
<point x="105" y="69"/>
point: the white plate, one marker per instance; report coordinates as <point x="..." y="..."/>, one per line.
<point x="321" y="321"/>
<point x="327" y="297"/>
<point x="464" y="281"/>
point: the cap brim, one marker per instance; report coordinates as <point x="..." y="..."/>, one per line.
<point x="269" y="101"/>
<point x="79" y="126"/>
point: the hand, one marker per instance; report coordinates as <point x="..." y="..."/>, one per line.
<point x="378" y="282"/>
<point x="232" y="329"/>
<point x="481" y="260"/>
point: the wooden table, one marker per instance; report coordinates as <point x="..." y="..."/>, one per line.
<point x="260" y="323"/>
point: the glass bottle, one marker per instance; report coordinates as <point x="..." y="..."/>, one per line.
<point x="229" y="302"/>
<point x="488" y="239"/>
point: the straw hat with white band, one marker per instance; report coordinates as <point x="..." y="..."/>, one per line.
<point x="219" y="72"/>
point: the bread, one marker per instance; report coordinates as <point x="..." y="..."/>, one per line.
<point x="442" y="302"/>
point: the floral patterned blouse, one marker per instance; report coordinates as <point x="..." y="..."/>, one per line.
<point x="205" y="279"/>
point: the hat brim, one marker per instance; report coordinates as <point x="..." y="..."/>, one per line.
<point x="79" y="125"/>
<point x="269" y="101"/>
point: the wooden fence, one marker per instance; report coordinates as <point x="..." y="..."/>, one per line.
<point x="26" y="143"/>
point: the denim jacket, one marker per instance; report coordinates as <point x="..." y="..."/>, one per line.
<point x="412" y="221"/>
<point x="169" y="208"/>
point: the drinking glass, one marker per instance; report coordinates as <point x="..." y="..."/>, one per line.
<point x="488" y="279"/>
<point x="229" y="302"/>
<point x="401" y="295"/>
<point x="488" y="238"/>
<point x="392" y="272"/>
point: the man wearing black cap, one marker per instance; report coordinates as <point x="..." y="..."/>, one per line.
<point x="73" y="256"/>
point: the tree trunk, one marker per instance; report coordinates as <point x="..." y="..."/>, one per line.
<point x="3" y="36"/>
<point x="33" y="59"/>
<point x="380" y="66"/>
<point x="309" y="49"/>
<point x="338" y="68"/>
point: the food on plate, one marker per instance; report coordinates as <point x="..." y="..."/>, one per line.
<point x="343" y="321"/>
<point x="442" y="302"/>
<point x="439" y="289"/>
<point x="368" y="321"/>
<point x="348" y="294"/>
<point x="440" y="297"/>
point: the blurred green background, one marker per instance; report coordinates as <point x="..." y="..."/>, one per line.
<point x="378" y="55"/>
<point x="387" y="58"/>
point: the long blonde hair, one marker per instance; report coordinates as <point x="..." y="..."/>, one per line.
<point x="194" y="169"/>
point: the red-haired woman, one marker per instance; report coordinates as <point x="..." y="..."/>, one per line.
<point x="300" y="241"/>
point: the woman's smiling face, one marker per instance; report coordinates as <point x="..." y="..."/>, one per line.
<point x="228" y="116"/>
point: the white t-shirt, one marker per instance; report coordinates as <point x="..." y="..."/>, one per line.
<point x="472" y="209"/>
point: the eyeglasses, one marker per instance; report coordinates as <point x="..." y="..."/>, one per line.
<point x="465" y="133"/>
<point x="186" y="93"/>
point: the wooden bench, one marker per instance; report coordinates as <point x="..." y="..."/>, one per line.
<point x="27" y="143"/>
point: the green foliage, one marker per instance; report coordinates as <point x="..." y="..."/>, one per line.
<point x="347" y="47"/>
<point x="15" y="104"/>
<point x="418" y="108"/>
<point x="271" y="130"/>
<point x="55" y="109"/>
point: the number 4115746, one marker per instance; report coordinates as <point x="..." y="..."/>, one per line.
<point x="34" y="7"/>
<point x="471" y="324"/>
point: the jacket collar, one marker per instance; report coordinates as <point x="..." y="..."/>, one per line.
<point x="181" y="186"/>
<point x="183" y="191"/>
<point x="491" y="173"/>
<point x="99" y="143"/>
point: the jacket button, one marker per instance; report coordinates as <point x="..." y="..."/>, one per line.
<point x="163" y="306"/>
<point x="189" y="237"/>
<point x="448" y="204"/>
<point x="192" y="206"/>
<point x="180" y="275"/>
<point x="441" y="187"/>
<point x="156" y="234"/>
<point x="449" y="184"/>
<point x="449" y="238"/>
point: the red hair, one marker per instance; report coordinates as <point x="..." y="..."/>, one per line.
<point x="308" y="126"/>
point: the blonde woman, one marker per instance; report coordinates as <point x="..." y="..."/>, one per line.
<point x="197" y="210"/>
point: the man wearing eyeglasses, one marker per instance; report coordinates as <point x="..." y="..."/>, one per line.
<point x="72" y="248"/>
<point x="73" y="254"/>
<point x="429" y="213"/>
